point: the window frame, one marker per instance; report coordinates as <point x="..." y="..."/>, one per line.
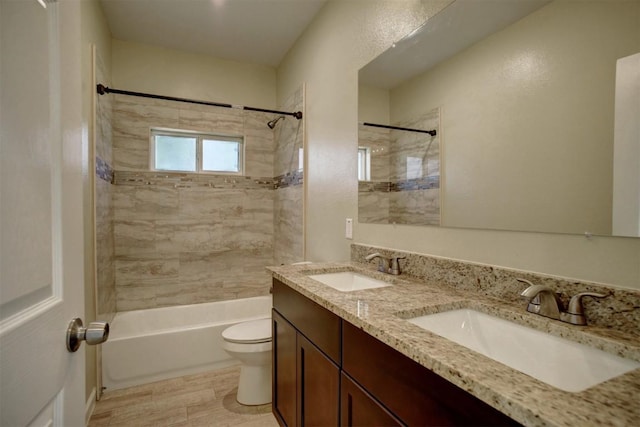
<point x="200" y="137"/>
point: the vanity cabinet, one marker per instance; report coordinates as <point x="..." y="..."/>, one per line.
<point x="306" y="357"/>
<point x="416" y="395"/>
<point x="328" y="372"/>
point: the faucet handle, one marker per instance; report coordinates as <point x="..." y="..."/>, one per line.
<point x="395" y="265"/>
<point x="519" y="279"/>
<point x="575" y="304"/>
<point x="575" y="311"/>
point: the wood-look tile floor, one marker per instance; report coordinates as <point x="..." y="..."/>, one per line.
<point x="207" y="399"/>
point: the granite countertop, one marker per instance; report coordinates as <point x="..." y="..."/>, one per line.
<point x="380" y="313"/>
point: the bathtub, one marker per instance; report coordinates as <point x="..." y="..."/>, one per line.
<point x="161" y="343"/>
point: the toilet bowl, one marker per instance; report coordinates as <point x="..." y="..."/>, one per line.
<point x="250" y="343"/>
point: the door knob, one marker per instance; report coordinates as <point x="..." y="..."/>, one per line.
<point x="95" y="333"/>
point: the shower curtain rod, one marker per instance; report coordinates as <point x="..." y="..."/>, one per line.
<point x="430" y="132"/>
<point x="102" y="89"/>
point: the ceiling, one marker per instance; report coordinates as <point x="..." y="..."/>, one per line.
<point x="458" y="26"/>
<point x="255" y="31"/>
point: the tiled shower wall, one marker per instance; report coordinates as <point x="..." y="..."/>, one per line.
<point x="288" y="215"/>
<point x="397" y="192"/>
<point x="103" y="194"/>
<point x="183" y="238"/>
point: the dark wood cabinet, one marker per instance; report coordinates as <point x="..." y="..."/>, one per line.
<point x="328" y="372"/>
<point x="358" y="408"/>
<point x="319" y="385"/>
<point x="306" y="356"/>
<point x="416" y="395"/>
<point x="284" y="371"/>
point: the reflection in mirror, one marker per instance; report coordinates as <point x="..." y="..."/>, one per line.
<point x="526" y="114"/>
<point x="399" y="168"/>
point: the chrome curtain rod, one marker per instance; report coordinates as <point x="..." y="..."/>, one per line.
<point x="102" y="89"/>
<point x="430" y="132"/>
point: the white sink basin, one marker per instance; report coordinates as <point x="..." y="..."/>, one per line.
<point x="347" y="281"/>
<point x="564" y="364"/>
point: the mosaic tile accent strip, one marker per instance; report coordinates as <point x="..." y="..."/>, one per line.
<point x="427" y="183"/>
<point x="188" y="180"/>
<point x="104" y="171"/>
<point x="374" y="186"/>
<point x="290" y="179"/>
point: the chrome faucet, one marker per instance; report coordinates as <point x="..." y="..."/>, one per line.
<point x="386" y="265"/>
<point x="545" y="302"/>
<point x="383" y="263"/>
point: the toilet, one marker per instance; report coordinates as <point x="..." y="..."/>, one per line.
<point x="250" y="343"/>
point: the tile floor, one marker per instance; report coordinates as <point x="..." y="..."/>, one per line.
<point x="207" y="399"/>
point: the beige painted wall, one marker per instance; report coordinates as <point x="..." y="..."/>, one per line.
<point x="94" y="30"/>
<point x="373" y="105"/>
<point x="152" y="69"/>
<point x="344" y="37"/>
<point x="530" y="131"/>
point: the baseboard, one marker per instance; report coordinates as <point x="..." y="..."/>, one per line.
<point x="90" y="406"/>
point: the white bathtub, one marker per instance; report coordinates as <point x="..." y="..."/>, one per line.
<point x="161" y="343"/>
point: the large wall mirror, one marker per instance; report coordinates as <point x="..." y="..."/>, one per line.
<point x="532" y="109"/>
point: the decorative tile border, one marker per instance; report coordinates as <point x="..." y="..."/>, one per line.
<point x="374" y="186"/>
<point x="427" y="183"/>
<point x="104" y="170"/>
<point x="185" y="180"/>
<point x="290" y="179"/>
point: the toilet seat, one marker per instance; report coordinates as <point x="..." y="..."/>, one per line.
<point x="251" y="332"/>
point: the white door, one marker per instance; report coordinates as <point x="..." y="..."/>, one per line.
<point x="41" y="258"/>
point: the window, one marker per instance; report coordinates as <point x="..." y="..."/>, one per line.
<point x="185" y="151"/>
<point x="364" y="164"/>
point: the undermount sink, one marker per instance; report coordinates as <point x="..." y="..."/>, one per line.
<point x="564" y="364"/>
<point x="347" y="281"/>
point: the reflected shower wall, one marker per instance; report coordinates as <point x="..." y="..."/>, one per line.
<point x="405" y="174"/>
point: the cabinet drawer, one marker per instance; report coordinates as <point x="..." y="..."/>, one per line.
<point x="316" y="323"/>
<point x="413" y="393"/>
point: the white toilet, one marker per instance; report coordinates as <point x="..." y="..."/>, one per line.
<point x="250" y="342"/>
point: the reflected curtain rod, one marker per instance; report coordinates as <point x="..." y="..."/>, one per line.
<point x="430" y="132"/>
<point x="102" y="89"/>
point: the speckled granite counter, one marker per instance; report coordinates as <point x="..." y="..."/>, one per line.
<point x="380" y="312"/>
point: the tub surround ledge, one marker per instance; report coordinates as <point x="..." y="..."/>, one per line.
<point x="381" y="312"/>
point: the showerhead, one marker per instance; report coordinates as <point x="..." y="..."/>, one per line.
<point x="273" y="122"/>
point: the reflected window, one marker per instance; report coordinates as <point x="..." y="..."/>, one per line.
<point x="364" y="164"/>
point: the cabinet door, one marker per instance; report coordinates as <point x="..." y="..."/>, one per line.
<point x="318" y="383"/>
<point x="284" y="371"/>
<point x="359" y="409"/>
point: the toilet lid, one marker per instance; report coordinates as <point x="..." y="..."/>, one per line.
<point x="253" y="331"/>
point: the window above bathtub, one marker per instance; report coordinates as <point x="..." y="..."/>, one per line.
<point x="187" y="151"/>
